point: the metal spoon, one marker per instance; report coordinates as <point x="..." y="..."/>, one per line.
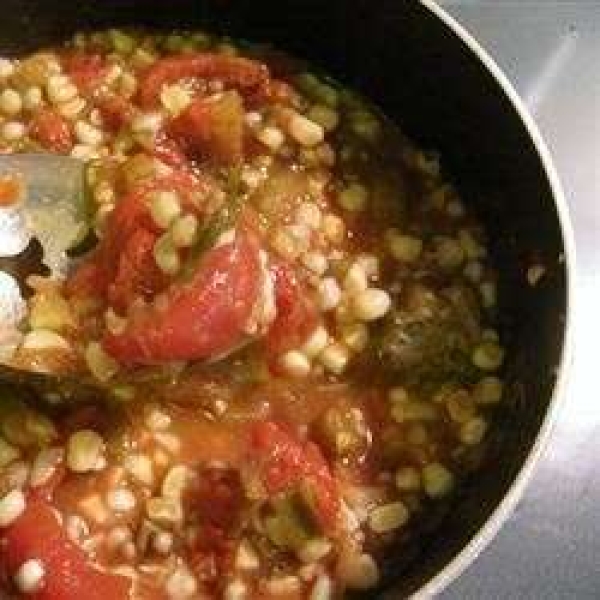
<point x="46" y="217"/>
<point x="36" y="233"/>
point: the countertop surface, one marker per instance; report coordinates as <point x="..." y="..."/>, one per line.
<point x="550" y="547"/>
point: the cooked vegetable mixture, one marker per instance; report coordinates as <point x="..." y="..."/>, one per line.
<point x="291" y="312"/>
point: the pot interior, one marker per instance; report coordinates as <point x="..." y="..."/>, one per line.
<point x="406" y="60"/>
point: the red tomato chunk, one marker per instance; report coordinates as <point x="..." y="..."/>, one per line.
<point x="52" y="131"/>
<point x="286" y="462"/>
<point x="233" y="71"/>
<point x="69" y="575"/>
<point x="205" y="318"/>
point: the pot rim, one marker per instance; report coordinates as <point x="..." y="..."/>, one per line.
<point x="507" y="505"/>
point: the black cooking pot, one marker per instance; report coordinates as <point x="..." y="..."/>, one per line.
<point x="428" y="75"/>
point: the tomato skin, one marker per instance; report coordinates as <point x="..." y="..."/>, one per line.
<point x="85" y="70"/>
<point x="285" y="462"/>
<point x="52" y="131"/>
<point x="212" y="128"/>
<point x="169" y="152"/>
<point x="131" y="212"/>
<point x="203" y="318"/>
<point x="129" y="215"/>
<point x="241" y="73"/>
<point x="219" y="498"/>
<point x="137" y="273"/>
<point x="116" y="112"/>
<point x="297" y="315"/>
<point x="115" y="268"/>
<point x="37" y="534"/>
<point x="122" y="266"/>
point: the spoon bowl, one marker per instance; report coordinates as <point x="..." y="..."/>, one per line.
<point x="43" y="214"/>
